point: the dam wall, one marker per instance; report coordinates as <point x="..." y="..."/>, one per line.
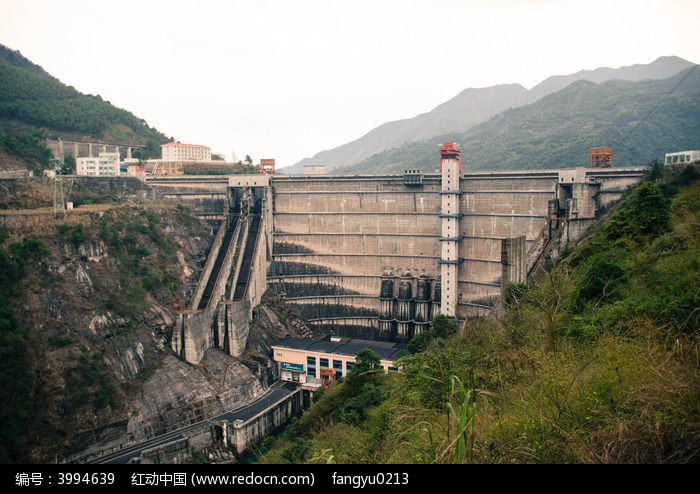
<point x="335" y="238"/>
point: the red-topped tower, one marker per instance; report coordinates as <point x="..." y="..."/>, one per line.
<point x="449" y="151"/>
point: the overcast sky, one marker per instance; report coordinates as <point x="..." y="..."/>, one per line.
<point x="285" y="79"/>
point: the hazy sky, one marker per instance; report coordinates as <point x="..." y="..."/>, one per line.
<point x="285" y="79"/>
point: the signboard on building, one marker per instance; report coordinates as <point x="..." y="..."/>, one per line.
<point x="292" y="367"/>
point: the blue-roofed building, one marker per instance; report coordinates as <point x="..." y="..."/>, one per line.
<point x="305" y="361"/>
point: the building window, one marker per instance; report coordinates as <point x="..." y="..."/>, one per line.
<point x="348" y="367"/>
<point x="338" y="366"/>
<point x="311" y="366"/>
<point x="323" y="363"/>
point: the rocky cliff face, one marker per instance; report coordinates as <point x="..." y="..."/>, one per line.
<point x="179" y="394"/>
<point x="100" y="302"/>
<point x="175" y="395"/>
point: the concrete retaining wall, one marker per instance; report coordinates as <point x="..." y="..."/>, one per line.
<point x="244" y="435"/>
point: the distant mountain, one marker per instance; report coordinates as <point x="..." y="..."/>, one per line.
<point x="475" y="106"/>
<point x="35" y="105"/>
<point x="465" y="110"/>
<point x="640" y="120"/>
<point x="661" y="68"/>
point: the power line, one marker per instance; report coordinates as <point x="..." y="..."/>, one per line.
<point x="661" y="101"/>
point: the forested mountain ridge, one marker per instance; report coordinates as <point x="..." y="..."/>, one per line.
<point x="34" y="105"/>
<point x="469" y="108"/>
<point x="641" y="121"/>
<point x="473" y="106"/>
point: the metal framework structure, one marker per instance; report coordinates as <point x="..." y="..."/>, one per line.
<point x="266" y="166"/>
<point x="601" y="157"/>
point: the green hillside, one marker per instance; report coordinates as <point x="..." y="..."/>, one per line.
<point x="34" y="105"/>
<point x="641" y="121"/>
<point x="594" y="362"/>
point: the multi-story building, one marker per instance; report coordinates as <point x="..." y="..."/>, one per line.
<point x="105" y="165"/>
<point x="177" y="151"/>
<point x="307" y="361"/>
<point x="682" y="157"/>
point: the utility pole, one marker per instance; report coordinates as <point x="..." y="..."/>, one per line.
<point x="59" y="206"/>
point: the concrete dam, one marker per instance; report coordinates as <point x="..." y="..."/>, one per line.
<point x="378" y="256"/>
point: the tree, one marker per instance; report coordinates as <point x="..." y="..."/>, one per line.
<point x="442" y="328"/>
<point x="545" y="306"/>
<point x="652" y="211"/>
<point x="367" y="366"/>
<point x="68" y="166"/>
<point x="603" y="281"/>
<point x="514" y="292"/>
<point x="647" y="213"/>
<point x="365" y="361"/>
<point x="151" y="150"/>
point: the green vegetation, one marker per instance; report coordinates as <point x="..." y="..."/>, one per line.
<point x="441" y="329"/>
<point x="145" y="253"/>
<point x="640" y="120"/>
<point x="595" y="361"/>
<point x="16" y="341"/>
<point x="27" y="145"/>
<point x="89" y="382"/>
<point x="34" y="105"/>
<point x="68" y="166"/>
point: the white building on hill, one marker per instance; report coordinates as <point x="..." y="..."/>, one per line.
<point x="177" y="151"/>
<point x="681" y="157"/>
<point x="106" y="165"/>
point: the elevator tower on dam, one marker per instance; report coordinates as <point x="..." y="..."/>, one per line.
<point x="379" y="256"/>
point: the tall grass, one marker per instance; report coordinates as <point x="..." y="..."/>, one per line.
<point x="462" y="413"/>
